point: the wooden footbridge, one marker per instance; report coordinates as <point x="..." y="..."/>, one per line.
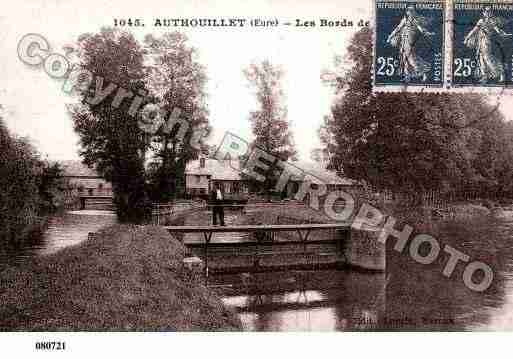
<point x="264" y="252"/>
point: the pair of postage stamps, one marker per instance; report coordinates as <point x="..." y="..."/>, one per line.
<point x="443" y="45"/>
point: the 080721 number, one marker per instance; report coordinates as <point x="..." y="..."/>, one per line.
<point x="50" y="346"/>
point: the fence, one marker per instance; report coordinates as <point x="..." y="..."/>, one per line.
<point x="435" y="199"/>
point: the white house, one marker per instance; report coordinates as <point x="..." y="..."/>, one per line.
<point x="85" y="181"/>
<point x="201" y="175"/>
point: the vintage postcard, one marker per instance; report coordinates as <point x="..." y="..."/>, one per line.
<point x="267" y="166"/>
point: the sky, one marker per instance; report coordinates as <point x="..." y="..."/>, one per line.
<point x="35" y="104"/>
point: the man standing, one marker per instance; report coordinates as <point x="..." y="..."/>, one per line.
<point x="216" y="198"/>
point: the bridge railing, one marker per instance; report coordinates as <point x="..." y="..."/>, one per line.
<point x="257" y="249"/>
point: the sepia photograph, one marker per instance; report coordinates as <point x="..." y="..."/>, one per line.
<point x="272" y="166"/>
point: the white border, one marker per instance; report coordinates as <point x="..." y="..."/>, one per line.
<point x="419" y="345"/>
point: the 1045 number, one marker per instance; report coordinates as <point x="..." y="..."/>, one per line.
<point x="128" y="22"/>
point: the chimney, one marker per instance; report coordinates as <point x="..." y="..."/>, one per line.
<point x="202" y="162"/>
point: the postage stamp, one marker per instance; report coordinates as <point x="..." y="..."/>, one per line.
<point x="482" y="44"/>
<point x="409" y="45"/>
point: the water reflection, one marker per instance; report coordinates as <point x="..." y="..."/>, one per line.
<point x="410" y="296"/>
<point x="419" y="297"/>
<point x="304" y="300"/>
<point x="63" y="231"/>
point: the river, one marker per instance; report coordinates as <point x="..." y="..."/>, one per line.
<point x="63" y="231"/>
<point x="409" y="296"/>
<point x="421" y="297"/>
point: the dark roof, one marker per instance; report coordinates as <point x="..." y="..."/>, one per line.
<point x="77" y="169"/>
<point x="218" y="169"/>
<point x="229" y="170"/>
<point x="320" y="174"/>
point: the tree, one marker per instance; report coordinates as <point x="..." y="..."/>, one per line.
<point x="178" y="81"/>
<point x="494" y="158"/>
<point x="51" y="186"/>
<point x="269" y="123"/>
<point x="111" y="139"/>
<point x="401" y="141"/>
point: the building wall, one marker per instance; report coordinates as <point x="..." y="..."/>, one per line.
<point x="197" y="181"/>
<point x="201" y="184"/>
<point x="90" y="186"/>
<point x="197" y="184"/>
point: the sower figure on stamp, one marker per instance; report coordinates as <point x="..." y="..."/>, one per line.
<point x="216" y="198"/>
<point x="406" y="37"/>
<point x="481" y="39"/>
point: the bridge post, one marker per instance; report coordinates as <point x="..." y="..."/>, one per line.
<point x="208" y="237"/>
<point x="196" y="267"/>
<point x="363" y="250"/>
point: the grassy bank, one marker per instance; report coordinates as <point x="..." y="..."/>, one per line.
<point x="128" y="278"/>
<point x="270" y="214"/>
<point x="429" y="219"/>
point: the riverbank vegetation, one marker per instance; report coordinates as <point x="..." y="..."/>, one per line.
<point x="31" y="188"/>
<point x="414" y="143"/>
<point x="127" y="278"/>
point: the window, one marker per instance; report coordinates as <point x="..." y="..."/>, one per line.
<point x="198" y="178"/>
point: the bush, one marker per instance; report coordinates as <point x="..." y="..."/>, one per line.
<point x="19" y="198"/>
<point x="30" y="187"/>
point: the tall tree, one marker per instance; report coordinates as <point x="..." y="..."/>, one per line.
<point x="51" y="186"/>
<point x="269" y="122"/>
<point x="111" y="139"/>
<point x="400" y="141"/>
<point x="178" y="80"/>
